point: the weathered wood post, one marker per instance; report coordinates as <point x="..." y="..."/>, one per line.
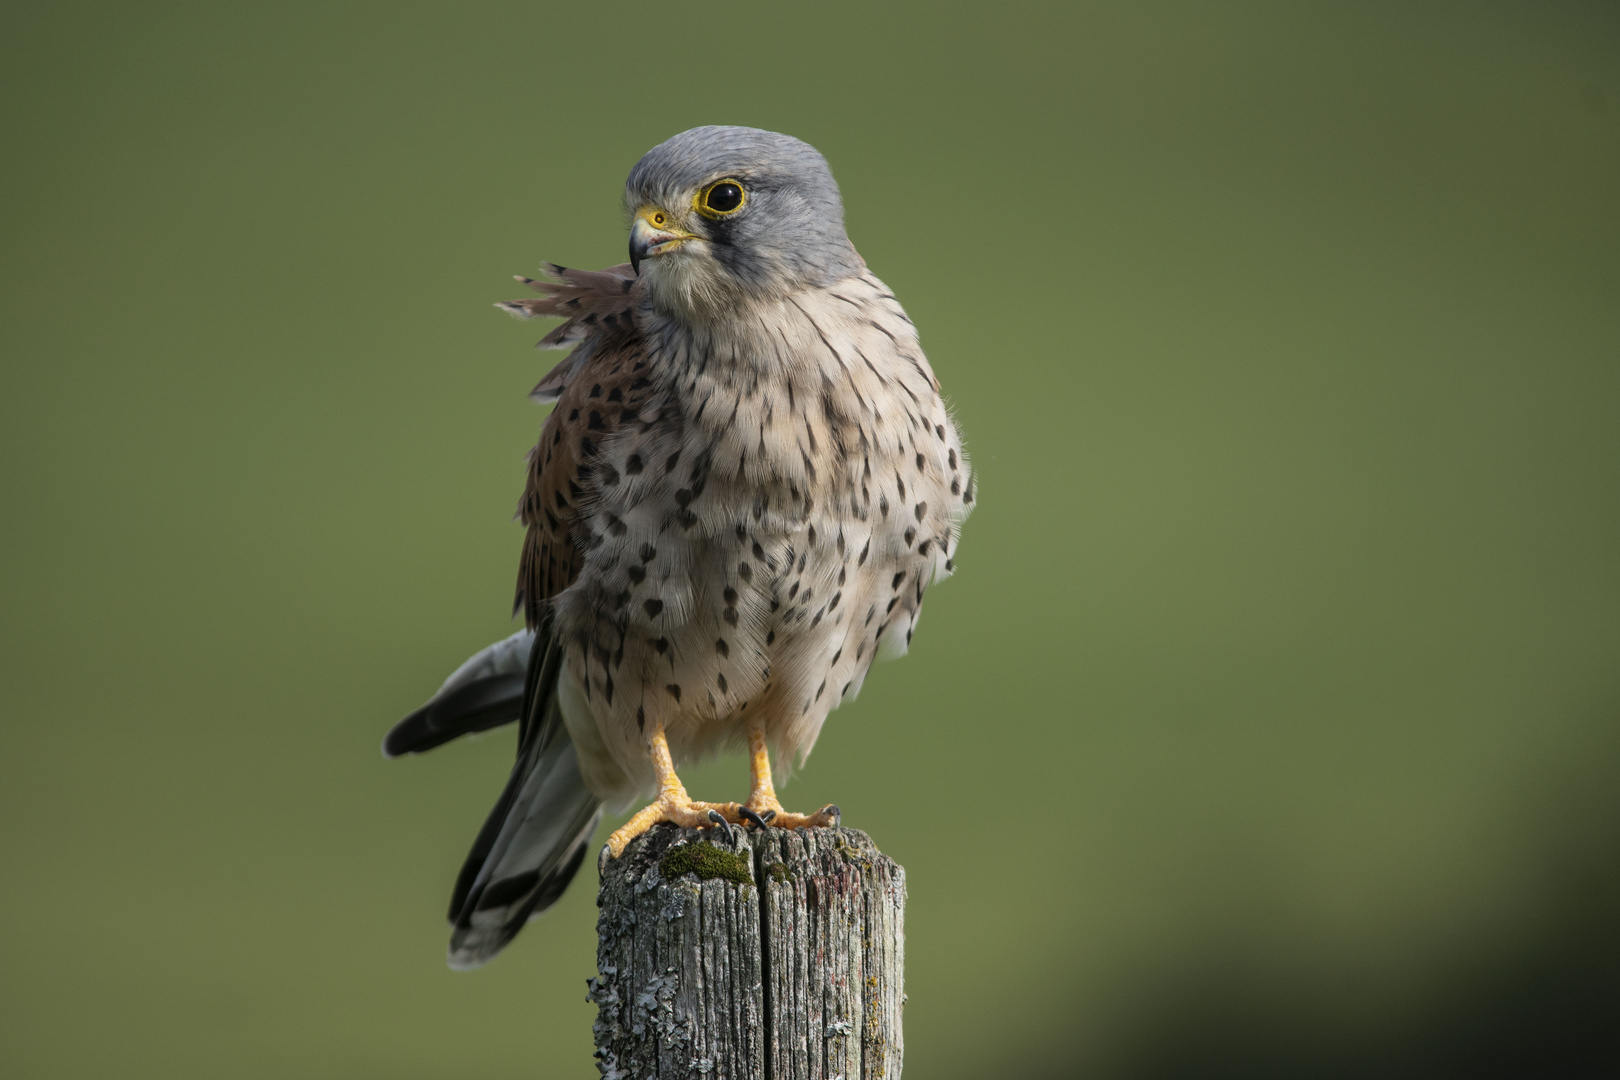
<point x="775" y="956"/>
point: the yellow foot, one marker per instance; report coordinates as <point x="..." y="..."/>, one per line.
<point x="767" y="811"/>
<point x="677" y="809"/>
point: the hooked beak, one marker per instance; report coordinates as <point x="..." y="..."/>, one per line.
<point x="653" y="233"/>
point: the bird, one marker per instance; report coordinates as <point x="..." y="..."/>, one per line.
<point x="747" y="482"/>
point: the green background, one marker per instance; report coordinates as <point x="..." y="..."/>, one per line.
<point x="1270" y="726"/>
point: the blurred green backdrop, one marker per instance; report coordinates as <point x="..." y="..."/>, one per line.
<point x="1270" y="727"/>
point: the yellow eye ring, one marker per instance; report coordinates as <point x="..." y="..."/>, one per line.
<point x="720" y="198"/>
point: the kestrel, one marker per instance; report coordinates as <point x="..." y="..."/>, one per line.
<point x="747" y="483"/>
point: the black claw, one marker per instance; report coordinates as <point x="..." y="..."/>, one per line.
<point x="837" y="814"/>
<point x="755" y="819"/>
<point x="770" y="816"/>
<point x="602" y="861"/>
<point x="720" y="821"/>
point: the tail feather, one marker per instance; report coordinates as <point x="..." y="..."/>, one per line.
<point x="541" y="828"/>
<point x="534" y="840"/>
<point x="480" y="705"/>
<point x="485" y="692"/>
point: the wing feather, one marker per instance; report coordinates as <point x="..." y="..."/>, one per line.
<point x="534" y="839"/>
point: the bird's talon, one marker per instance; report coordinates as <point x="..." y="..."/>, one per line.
<point x="721" y="825"/>
<point x="756" y="819"/>
<point x="831" y="810"/>
<point x="677" y="809"/>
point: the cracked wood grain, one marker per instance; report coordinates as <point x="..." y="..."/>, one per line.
<point x="798" y="975"/>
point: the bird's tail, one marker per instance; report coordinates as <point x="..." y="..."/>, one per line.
<point x="535" y="838"/>
<point x="528" y="852"/>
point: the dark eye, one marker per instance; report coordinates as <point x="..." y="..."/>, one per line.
<point x="722" y="197"/>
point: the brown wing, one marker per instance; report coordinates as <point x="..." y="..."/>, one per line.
<point x="598" y="389"/>
<point x="592" y="303"/>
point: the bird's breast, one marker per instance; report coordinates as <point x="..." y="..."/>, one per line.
<point x="781" y="503"/>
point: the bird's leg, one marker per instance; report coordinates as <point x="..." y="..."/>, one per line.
<point x="672" y="804"/>
<point x="762" y="807"/>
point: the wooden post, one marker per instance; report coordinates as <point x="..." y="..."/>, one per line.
<point x="775" y="955"/>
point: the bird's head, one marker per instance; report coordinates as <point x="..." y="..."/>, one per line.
<point x="723" y="215"/>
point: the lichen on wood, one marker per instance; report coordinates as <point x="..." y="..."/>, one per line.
<point x="781" y="956"/>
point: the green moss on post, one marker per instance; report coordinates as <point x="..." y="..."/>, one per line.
<point x="707" y="862"/>
<point x="777" y="956"/>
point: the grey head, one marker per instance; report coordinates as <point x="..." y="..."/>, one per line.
<point x="723" y="215"/>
